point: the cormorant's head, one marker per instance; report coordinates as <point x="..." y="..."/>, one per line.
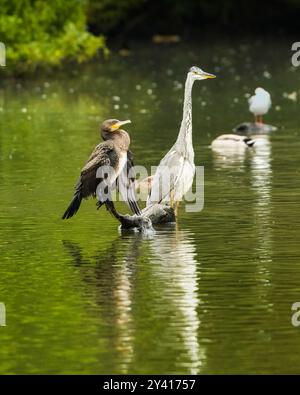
<point x="113" y="125"/>
<point x="197" y="74"/>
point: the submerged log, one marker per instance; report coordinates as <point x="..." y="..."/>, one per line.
<point x="159" y="214"/>
<point x="154" y="215"/>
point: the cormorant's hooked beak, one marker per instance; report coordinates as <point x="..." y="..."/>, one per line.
<point x="117" y="125"/>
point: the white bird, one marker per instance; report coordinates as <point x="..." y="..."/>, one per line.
<point x="259" y="104"/>
<point x="175" y="172"/>
<point x="231" y="143"/>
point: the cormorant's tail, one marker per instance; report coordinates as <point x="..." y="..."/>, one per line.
<point x="75" y="203"/>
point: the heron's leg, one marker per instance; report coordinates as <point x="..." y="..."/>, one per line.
<point x="176" y="207"/>
<point x="261" y="119"/>
<point x="172" y="202"/>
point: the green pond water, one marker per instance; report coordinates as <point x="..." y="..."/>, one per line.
<point x="212" y="294"/>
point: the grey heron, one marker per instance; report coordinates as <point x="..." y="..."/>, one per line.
<point x="175" y="172"/>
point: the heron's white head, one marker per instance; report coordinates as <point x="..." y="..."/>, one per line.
<point x="197" y="74"/>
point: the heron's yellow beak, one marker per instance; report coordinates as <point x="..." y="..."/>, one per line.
<point x="208" y="75"/>
<point x="117" y="125"/>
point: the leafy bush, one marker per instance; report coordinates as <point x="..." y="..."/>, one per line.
<point x="105" y="15"/>
<point x="180" y="16"/>
<point x="39" y="33"/>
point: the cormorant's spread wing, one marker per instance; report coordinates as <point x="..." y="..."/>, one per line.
<point x="103" y="155"/>
<point x="126" y="182"/>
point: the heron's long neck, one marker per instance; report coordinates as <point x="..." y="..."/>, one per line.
<point x="184" y="141"/>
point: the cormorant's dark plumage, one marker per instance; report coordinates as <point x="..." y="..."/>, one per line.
<point x="114" y="152"/>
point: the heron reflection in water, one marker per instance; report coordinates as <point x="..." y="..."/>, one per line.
<point x="117" y="277"/>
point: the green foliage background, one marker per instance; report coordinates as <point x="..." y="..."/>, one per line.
<point x="37" y="32"/>
<point x="48" y="33"/>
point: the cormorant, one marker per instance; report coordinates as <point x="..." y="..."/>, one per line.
<point x="110" y="160"/>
